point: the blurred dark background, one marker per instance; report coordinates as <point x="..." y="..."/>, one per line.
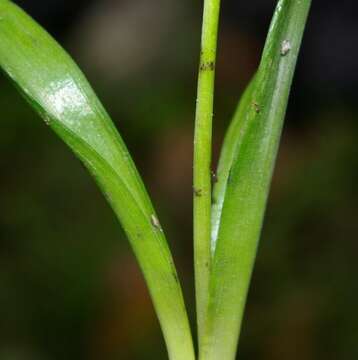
<point x="69" y="285"/>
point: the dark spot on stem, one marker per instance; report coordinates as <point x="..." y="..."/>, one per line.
<point x="198" y="192"/>
<point x="207" y="66"/>
<point x="256" y="107"/>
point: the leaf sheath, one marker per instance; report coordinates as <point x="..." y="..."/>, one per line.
<point x="232" y="141"/>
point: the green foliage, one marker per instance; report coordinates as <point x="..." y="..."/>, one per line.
<point x="58" y="91"/>
<point x="246" y="167"/>
<point x="226" y="226"/>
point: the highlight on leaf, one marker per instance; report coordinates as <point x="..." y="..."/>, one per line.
<point x="59" y="92"/>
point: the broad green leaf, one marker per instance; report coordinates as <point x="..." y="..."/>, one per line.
<point x="249" y="179"/>
<point x="59" y="92"/>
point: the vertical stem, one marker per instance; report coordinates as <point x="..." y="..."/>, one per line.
<point x="202" y="158"/>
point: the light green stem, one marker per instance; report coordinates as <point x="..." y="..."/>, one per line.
<point x="202" y="158"/>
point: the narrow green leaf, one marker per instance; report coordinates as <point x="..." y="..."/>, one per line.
<point x="202" y="158"/>
<point x="249" y="180"/>
<point x="232" y="141"/>
<point x="57" y="89"/>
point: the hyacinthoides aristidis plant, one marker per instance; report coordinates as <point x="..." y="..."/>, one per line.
<point x="227" y="216"/>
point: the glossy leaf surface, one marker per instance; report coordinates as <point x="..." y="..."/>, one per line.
<point x="59" y="92"/>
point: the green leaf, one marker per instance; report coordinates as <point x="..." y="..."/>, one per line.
<point x="232" y="141"/>
<point x="249" y="178"/>
<point x="59" y="92"/>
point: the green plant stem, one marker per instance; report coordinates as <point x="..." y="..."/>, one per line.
<point x="202" y="158"/>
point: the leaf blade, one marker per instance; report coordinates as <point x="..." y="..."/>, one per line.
<point x="249" y="180"/>
<point x="232" y="141"/>
<point x="59" y="92"/>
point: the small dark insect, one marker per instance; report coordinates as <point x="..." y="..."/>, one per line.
<point x="214" y="177"/>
